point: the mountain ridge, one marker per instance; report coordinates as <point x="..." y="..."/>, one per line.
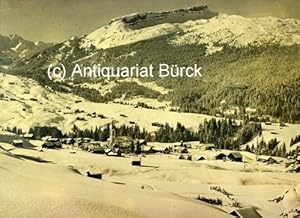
<point x="222" y="29"/>
<point x="246" y="61"/>
<point x="14" y="47"/>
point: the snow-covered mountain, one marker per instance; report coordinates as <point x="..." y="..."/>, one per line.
<point x="13" y="47"/>
<point x="244" y="59"/>
<point x="191" y="26"/>
<point x="143" y="26"/>
<point x="196" y="27"/>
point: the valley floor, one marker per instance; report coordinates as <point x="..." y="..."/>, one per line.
<point x="52" y="183"/>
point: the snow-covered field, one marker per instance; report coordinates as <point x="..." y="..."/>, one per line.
<point x="28" y="104"/>
<point x="50" y="184"/>
<point x="282" y="134"/>
<point x="163" y="187"/>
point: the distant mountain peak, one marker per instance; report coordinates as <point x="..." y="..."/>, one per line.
<point x="14" y="47"/>
<point x="15" y="37"/>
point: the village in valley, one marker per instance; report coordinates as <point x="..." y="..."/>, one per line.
<point x="219" y="178"/>
<point x="223" y="144"/>
<point x="153" y="158"/>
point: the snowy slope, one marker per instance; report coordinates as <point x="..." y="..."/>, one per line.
<point x="117" y="34"/>
<point x="240" y="31"/>
<point x="222" y="29"/>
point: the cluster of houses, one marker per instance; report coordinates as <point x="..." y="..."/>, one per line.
<point x="118" y="145"/>
<point x="82" y="115"/>
<point x="124" y="144"/>
<point x="51" y="143"/>
<point x="115" y="146"/>
<point x="232" y="156"/>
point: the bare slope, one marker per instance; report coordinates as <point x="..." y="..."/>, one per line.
<point x="165" y="187"/>
<point x="33" y="190"/>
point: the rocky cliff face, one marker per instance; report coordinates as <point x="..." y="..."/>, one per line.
<point x="142" y="20"/>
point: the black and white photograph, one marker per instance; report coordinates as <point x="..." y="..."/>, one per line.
<point x="149" y="109"/>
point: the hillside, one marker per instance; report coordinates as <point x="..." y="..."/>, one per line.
<point x="28" y="104"/>
<point x="245" y="62"/>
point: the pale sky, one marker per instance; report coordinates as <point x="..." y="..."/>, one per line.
<point x="58" y="20"/>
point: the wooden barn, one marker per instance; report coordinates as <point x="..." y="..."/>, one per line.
<point x="248" y="212"/>
<point x="52" y="145"/>
<point x="235" y="156"/>
<point x="94" y="175"/>
<point x="207" y="147"/>
<point x="28" y="136"/>
<point x="220" y="156"/>
<point x="17" y="143"/>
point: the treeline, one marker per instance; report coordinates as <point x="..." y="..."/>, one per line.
<point x="144" y="105"/>
<point x="102" y="133"/>
<point x="218" y="132"/>
<point x="166" y="133"/>
<point x="133" y="131"/>
<point x="227" y="134"/>
<point x="121" y="89"/>
<point x="131" y="89"/>
<point x="271" y="148"/>
<point x="224" y="133"/>
<point x="90" y="94"/>
<point x="98" y="134"/>
<point x="42" y="131"/>
<point x="38" y="131"/>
